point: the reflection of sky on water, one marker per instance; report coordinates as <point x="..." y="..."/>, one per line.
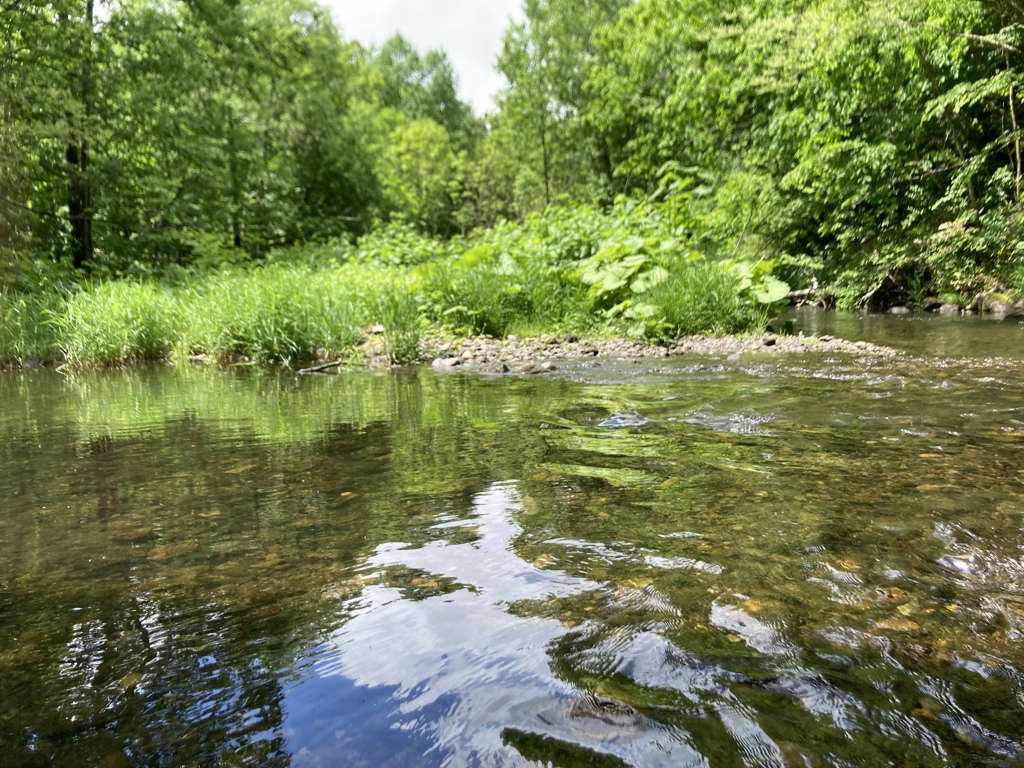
<point x="450" y="672"/>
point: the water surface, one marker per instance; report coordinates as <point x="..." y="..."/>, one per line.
<point x="776" y="562"/>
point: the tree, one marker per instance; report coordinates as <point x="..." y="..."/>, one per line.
<point x="419" y="171"/>
<point x="546" y="60"/>
<point x="422" y="86"/>
<point x="47" y="67"/>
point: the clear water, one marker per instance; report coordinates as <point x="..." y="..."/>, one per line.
<point x="777" y="562"/>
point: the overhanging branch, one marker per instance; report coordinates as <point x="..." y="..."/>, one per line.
<point x="990" y="41"/>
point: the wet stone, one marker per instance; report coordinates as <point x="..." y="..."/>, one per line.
<point x="446" y="363"/>
<point x="493" y="366"/>
<point x="532" y="369"/>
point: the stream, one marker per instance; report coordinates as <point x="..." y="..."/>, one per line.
<point x="785" y="560"/>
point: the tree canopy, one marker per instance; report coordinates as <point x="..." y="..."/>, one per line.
<point x="874" y="145"/>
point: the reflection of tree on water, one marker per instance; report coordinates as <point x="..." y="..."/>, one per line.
<point x="152" y="616"/>
<point x="469" y="668"/>
<point x="201" y="692"/>
<point x="164" y="591"/>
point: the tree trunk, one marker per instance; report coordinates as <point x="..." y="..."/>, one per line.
<point x="544" y="157"/>
<point x="606" y="161"/>
<point x="77" y="156"/>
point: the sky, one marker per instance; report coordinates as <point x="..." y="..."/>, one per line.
<point x="469" y="31"/>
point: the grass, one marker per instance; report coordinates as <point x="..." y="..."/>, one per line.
<point x="271" y="314"/>
<point x="303" y="305"/>
<point x="696" y="297"/>
<point x="119" y="321"/>
<point x="27" y="327"/>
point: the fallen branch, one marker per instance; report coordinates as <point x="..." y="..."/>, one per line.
<point x="867" y="296"/>
<point x="320" y="368"/>
<point x="803" y="293"/>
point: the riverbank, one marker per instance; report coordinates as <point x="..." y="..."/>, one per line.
<point x="530" y="355"/>
<point x="533" y="355"/>
<point x="538" y="354"/>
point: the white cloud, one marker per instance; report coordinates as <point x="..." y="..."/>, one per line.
<point x="470" y="31"/>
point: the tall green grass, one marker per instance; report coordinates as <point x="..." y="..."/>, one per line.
<point x="120" y="321"/>
<point x="271" y="314"/>
<point x="699" y="297"/>
<point x="631" y="270"/>
<point x="27" y="326"/>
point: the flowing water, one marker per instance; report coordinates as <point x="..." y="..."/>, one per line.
<point x="781" y="561"/>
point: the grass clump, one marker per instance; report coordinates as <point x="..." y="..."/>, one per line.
<point x="699" y="297"/>
<point x="27" y="326"/>
<point x="271" y="314"/>
<point x="294" y="312"/>
<point x="119" y="321"/>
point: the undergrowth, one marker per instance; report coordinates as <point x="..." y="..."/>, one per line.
<point x="632" y="270"/>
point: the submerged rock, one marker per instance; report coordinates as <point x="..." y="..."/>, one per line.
<point x="493" y="366"/>
<point x="604" y="718"/>
<point x="446" y="363"/>
<point x="532" y="369"/>
<point x="618" y="420"/>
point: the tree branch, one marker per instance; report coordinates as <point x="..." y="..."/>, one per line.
<point x="991" y="41"/>
<point x="16" y="204"/>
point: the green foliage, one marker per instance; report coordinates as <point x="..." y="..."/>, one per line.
<point x="844" y="132"/>
<point x="161" y="140"/>
<point x="482" y="291"/>
<point x="630" y="269"/>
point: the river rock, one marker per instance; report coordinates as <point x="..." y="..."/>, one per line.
<point x="446" y="363"/>
<point x="999" y="305"/>
<point x="493" y="366"/>
<point x="949" y="309"/>
<point x="532" y="369"/>
<point x="899" y="311"/>
<point x="930" y="304"/>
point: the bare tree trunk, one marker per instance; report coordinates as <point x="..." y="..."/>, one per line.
<point x="236" y="183"/>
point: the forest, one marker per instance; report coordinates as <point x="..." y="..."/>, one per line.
<point x="235" y="177"/>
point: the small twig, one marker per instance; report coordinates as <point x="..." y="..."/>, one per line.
<point x="319" y="368"/>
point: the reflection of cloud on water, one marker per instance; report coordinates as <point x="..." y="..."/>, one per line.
<point x="460" y="667"/>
